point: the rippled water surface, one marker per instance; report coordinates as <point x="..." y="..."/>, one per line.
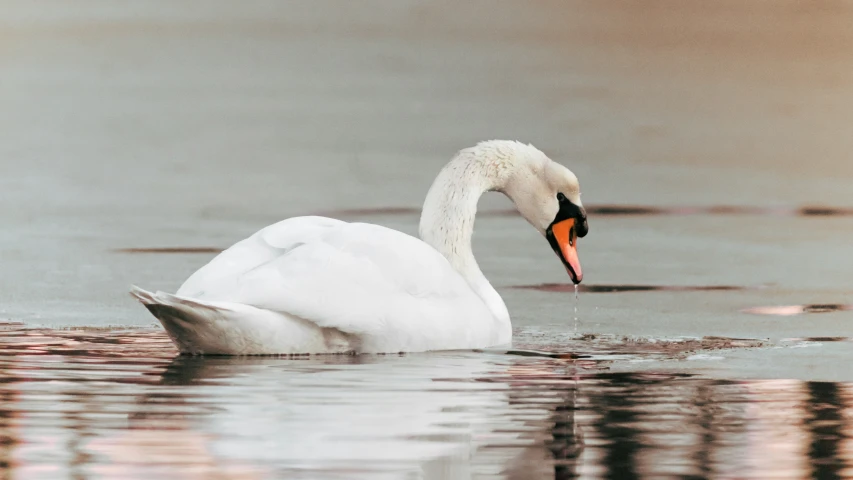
<point x="120" y="404"/>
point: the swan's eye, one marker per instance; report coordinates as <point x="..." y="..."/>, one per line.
<point x="561" y="197"/>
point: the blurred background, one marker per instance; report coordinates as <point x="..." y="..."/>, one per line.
<point x="185" y="124"/>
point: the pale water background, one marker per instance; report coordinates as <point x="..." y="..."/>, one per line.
<point x="189" y="125"/>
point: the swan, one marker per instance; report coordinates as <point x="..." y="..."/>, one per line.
<point x="314" y="285"/>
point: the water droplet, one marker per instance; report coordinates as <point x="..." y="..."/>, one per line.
<point x="576" y="309"/>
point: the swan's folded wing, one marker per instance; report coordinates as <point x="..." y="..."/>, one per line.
<point x="222" y="274"/>
<point x="358" y="278"/>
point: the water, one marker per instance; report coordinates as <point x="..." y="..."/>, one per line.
<point x="119" y="404"/>
<point x="576" y="308"/>
<point x="712" y="144"/>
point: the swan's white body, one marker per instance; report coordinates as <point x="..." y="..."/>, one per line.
<point x="320" y="285"/>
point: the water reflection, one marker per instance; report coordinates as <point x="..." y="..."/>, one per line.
<point x="120" y="404"/>
<point x="824" y="421"/>
<point x="592" y="288"/>
<point x="630" y="210"/>
<point x="791" y="310"/>
<point x="617" y="407"/>
<point x="169" y="250"/>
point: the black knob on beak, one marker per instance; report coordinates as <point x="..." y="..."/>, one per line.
<point x="581" y="224"/>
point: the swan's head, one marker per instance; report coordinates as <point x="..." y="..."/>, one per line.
<point x="548" y="196"/>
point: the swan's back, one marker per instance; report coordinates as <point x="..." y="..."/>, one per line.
<point x="221" y="274"/>
<point x="378" y="289"/>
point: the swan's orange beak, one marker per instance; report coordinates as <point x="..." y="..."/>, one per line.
<point x="565" y="243"/>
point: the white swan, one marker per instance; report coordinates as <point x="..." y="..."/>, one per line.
<point x="320" y="285"/>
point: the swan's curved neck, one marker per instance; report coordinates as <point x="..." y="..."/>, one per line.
<point x="447" y="220"/>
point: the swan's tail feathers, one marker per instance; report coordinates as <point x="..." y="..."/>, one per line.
<point x="143" y="296"/>
<point x="191" y="324"/>
<point x="229" y="328"/>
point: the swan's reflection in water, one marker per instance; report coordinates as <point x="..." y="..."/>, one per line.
<point x="118" y="405"/>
